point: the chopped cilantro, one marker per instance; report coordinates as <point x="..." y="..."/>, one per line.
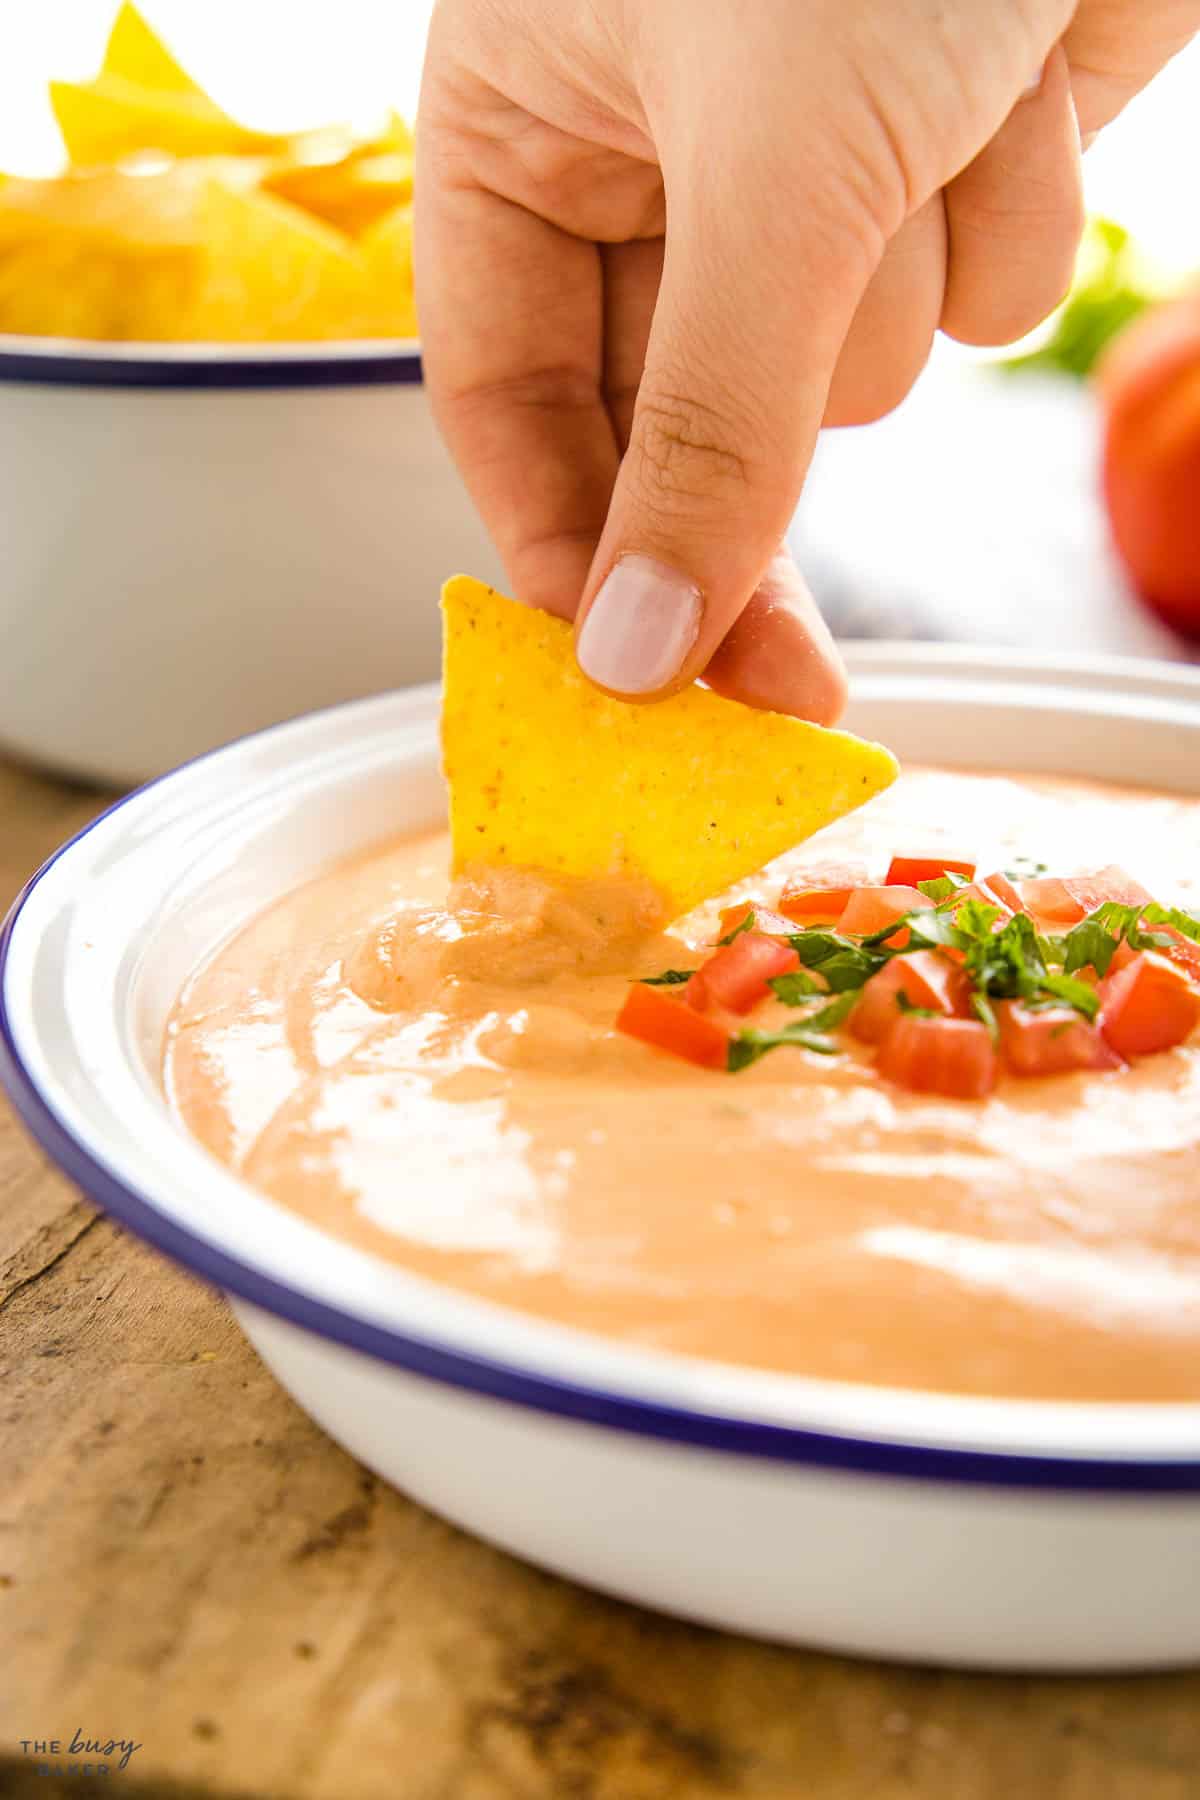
<point x="985" y="1012"/>
<point x="1094" y="941"/>
<point x="808" y="1033"/>
<point x="843" y="963"/>
<point x="1186" y="924"/>
<point x="668" y="978"/>
<point x="746" y="924"/>
<point x="1090" y="944"/>
<point x="796" y="988"/>
<point x="942" y="887"/>
<point x="1079" y="994"/>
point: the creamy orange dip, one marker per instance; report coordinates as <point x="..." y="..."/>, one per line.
<point x="442" y="1085"/>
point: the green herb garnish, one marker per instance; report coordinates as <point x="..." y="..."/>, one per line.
<point x="747" y="924"/>
<point x="809" y="1033"/>
<point x="985" y="1012"/>
<point x="668" y="978"/>
<point x="1095" y="940"/>
<point x="1077" y="994"/>
<point x="843" y="963"/>
<point x="942" y="887"/>
<point x="796" y="988"/>
<point x="907" y="1007"/>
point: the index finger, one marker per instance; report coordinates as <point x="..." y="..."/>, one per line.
<point x="511" y="312"/>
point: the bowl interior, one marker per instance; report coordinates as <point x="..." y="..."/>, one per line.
<point x="108" y="932"/>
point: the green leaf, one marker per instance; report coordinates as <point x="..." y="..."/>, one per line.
<point x="796" y="988"/>
<point x="985" y="1012"/>
<point x="747" y="924"/>
<point x="809" y="1033"/>
<point x="668" y="978"/>
<point x="941" y="887"/>
<point x="976" y="919"/>
<point x="1089" y="945"/>
<point x="843" y="963"/>
<point x="1185" y="923"/>
<point x="748" y="1046"/>
<point x="1079" y="994"/>
<point x="828" y="1018"/>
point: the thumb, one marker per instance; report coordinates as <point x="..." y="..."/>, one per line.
<point x="756" y="298"/>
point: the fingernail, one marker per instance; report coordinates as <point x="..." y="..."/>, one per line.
<point x="1034" y="86"/>
<point x="640" y="626"/>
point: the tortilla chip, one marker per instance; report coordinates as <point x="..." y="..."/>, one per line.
<point x="273" y="273"/>
<point x="59" y="286"/>
<point x="110" y="118"/>
<point x="387" y="253"/>
<point x="692" y="793"/>
<point x="396" y="134"/>
<point x="136" y="53"/>
<point x="114" y="208"/>
<point x="350" y="193"/>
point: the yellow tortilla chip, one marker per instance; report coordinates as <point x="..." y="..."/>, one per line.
<point x="110" y="118"/>
<point x="114" y="208"/>
<point x="136" y="53"/>
<point x="387" y="254"/>
<point x="693" y="793"/>
<point x="273" y="273"/>
<point x="396" y="134"/>
<point x="350" y="193"/>
<point x="63" y="286"/>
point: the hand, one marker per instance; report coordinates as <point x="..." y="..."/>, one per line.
<point x="660" y="243"/>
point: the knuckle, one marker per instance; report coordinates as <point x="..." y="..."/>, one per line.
<point x="687" y="449"/>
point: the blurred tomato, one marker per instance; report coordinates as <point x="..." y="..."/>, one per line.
<point x="1149" y="384"/>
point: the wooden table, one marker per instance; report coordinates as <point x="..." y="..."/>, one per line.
<point x="187" y="1562"/>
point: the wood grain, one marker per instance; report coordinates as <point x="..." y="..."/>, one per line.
<point x="186" y="1561"/>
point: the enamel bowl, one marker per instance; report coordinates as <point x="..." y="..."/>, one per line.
<point x="893" y="1523"/>
<point x="200" y="540"/>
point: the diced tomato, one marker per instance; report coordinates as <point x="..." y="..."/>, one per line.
<point x="907" y="871"/>
<point x="1182" y="951"/>
<point x="806" y="904"/>
<point x="1123" y="955"/>
<point x="954" y="1057"/>
<point x="1147" y="1006"/>
<point x="656" y="1017"/>
<point x="771" y="924"/>
<point x="925" y="979"/>
<point x="869" y="909"/>
<point x="1004" y="891"/>
<point x="821" y="892"/>
<point x="986" y="895"/>
<point x="1050" y="1041"/>
<point x="1067" y="899"/>
<point x="1046" y="897"/>
<point x="1110" y="883"/>
<point x="736" y="975"/>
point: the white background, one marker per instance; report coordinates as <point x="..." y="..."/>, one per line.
<point x="281" y="63"/>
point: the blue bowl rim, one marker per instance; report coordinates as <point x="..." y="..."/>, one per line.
<point x="486" y="1377"/>
<point x="71" y="362"/>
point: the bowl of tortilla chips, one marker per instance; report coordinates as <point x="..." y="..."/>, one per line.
<point x="221" y="473"/>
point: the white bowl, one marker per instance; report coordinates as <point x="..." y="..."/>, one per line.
<point x="202" y="540"/>
<point x="979" y="1532"/>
